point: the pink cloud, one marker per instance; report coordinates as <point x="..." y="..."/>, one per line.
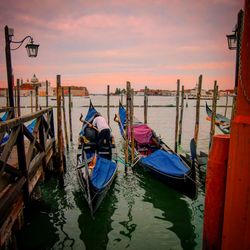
<point x="95" y="42"/>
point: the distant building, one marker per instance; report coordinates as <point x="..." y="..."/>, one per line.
<point x="229" y="92"/>
<point x="29" y="85"/>
<point x="76" y="90"/>
<point x="25" y="89"/>
<point x="3" y="92"/>
<point x="192" y="93"/>
<point x="158" y="92"/>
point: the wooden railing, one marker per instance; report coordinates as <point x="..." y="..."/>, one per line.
<point x="24" y="156"/>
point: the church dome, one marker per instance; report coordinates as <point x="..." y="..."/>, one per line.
<point x="34" y="79"/>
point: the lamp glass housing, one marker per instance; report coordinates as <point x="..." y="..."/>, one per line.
<point x="232" y="41"/>
<point x="32" y="49"/>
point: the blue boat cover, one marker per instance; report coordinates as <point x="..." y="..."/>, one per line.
<point x="30" y="127"/>
<point x="102" y="172"/>
<point x="89" y="117"/>
<point x="166" y="162"/>
<point x="4" y="117"/>
<point x="122" y="114"/>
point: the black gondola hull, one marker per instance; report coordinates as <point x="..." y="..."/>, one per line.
<point x="97" y="196"/>
<point x="185" y="184"/>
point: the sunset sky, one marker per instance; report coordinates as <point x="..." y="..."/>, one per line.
<point x="98" y="42"/>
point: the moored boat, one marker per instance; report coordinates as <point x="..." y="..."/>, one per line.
<point x="221" y="121"/>
<point x="159" y="159"/>
<point x="97" y="167"/>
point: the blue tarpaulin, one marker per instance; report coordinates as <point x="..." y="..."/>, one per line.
<point x="166" y="162"/>
<point x="89" y="117"/>
<point x="122" y="114"/>
<point x="4" y="117"/>
<point x="30" y="127"/>
<point x="102" y="172"/>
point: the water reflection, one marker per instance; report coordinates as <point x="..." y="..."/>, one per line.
<point x="45" y="228"/>
<point x="174" y="207"/>
<point x="129" y="189"/>
<point x="94" y="231"/>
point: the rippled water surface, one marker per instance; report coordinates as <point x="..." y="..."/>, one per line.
<point x="139" y="212"/>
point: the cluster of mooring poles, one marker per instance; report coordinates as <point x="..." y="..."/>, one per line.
<point x="29" y="153"/>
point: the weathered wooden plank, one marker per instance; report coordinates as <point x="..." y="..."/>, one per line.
<point x="8" y="147"/>
<point x="35" y="178"/>
<point x="5" y="230"/>
<point x="9" y="198"/>
<point x="31" y="146"/>
<point x="5" y="109"/>
<point x="49" y="154"/>
<point x="49" y="144"/>
<point x="9" y="168"/>
<point x="31" y="138"/>
<point x="46" y="124"/>
<point x="17" y="121"/>
<point x="5" y="190"/>
<point x="42" y="139"/>
<point x="35" y="162"/>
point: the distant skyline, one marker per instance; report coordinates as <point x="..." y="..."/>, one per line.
<point x="94" y="43"/>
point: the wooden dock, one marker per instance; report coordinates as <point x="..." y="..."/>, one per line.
<point x="26" y="153"/>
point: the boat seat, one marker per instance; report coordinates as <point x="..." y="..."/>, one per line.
<point x="105" y="151"/>
<point x="91" y="138"/>
<point x="90" y="145"/>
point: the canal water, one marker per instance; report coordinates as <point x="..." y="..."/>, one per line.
<point x="139" y="212"/>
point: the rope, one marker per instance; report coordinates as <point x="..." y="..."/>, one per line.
<point x="119" y="159"/>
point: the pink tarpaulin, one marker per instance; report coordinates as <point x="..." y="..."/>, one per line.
<point x="142" y="133"/>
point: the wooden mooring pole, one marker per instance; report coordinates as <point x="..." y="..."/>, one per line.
<point x="212" y="127"/>
<point x="181" y="114"/>
<point x="131" y="125"/>
<point x="177" y="116"/>
<point x="7" y="98"/>
<point x="18" y="97"/>
<point x="145" y="105"/>
<point x="15" y="98"/>
<point x="47" y="93"/>
<point x="64" y="121"/>
<point x="70" y="117"/>
<point x="122" y="98"/>
<point x="31" y="101"/>
<point x="127" y="124"/>
<point x="108" y="101"/>
<point x="36" y="88"/>
<point x="60" y="149"/>
<point x="197" y="116"/>
<point x="225" y="114"/>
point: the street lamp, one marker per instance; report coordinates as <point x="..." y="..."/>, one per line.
<point x="32" y="50"/>
<point x="232" y="40"/>
<point x="234" y="43"/>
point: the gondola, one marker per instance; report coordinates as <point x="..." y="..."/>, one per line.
<point x="158" y="158"/>
<point x="221" y="121"/>
<point x="96" y="169"/>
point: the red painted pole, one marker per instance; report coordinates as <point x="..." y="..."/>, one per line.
<point x="236" y="227"/>
<point x="215" y="192"/>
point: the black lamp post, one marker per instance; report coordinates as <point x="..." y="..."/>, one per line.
<point x="234" y="43"/>
<point x="32" y="50"/>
